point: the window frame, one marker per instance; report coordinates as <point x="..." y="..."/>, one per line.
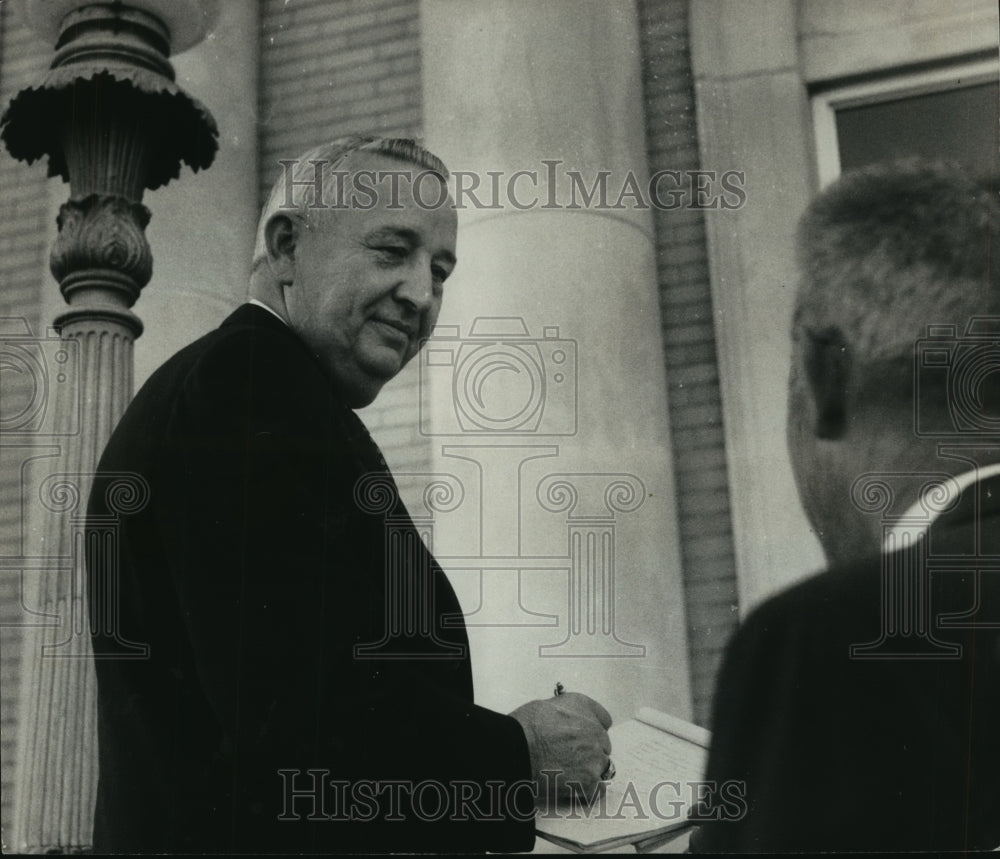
<point x="897" y="85"/>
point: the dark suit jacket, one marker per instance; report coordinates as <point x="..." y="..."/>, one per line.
<point x="864" y="754"/>
<point x="252" y="574"/>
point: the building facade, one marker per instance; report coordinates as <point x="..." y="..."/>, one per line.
<point x="677" y="142"/>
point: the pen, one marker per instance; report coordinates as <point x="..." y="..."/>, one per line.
<point x="609" y="772"/>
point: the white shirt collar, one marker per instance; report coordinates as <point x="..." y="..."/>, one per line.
<point x="257" y="303"/>
<point x="917" y="519"/>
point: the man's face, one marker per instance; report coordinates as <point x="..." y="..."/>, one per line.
<point x="368" y="283"/>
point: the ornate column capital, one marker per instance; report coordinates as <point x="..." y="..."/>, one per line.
<point x="112" y="122"/>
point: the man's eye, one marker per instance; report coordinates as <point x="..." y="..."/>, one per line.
<point x="392" y="253"/>
<point x="440" y="273"/>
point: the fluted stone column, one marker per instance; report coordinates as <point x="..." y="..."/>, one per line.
<point x="111" y="121"/>
<point x="550" y="357"/>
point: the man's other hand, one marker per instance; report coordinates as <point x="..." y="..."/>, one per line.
<point x="568" y="742"/>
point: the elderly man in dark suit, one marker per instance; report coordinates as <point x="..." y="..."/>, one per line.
<point x="861" y="708"/>
<point x="261" y="586"/>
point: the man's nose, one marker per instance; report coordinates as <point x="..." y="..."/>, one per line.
<point x="417" y="286"/>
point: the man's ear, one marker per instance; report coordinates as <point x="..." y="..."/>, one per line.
<point x="828" y="367"/>
<point x="281" y="235"/>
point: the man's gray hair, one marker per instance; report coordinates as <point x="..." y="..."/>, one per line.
<point x="889" y="249"/>
<point x="297" y="179"/>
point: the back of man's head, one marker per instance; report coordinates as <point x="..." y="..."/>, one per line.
<point x="884" y="253"/>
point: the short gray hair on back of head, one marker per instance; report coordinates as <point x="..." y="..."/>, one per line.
<point x="296" y="179"/>
<point x="889" y="249"/>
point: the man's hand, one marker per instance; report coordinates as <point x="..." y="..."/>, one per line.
<point x="567" y="734"/>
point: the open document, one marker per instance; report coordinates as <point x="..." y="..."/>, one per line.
<point x="659" y="762"/>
